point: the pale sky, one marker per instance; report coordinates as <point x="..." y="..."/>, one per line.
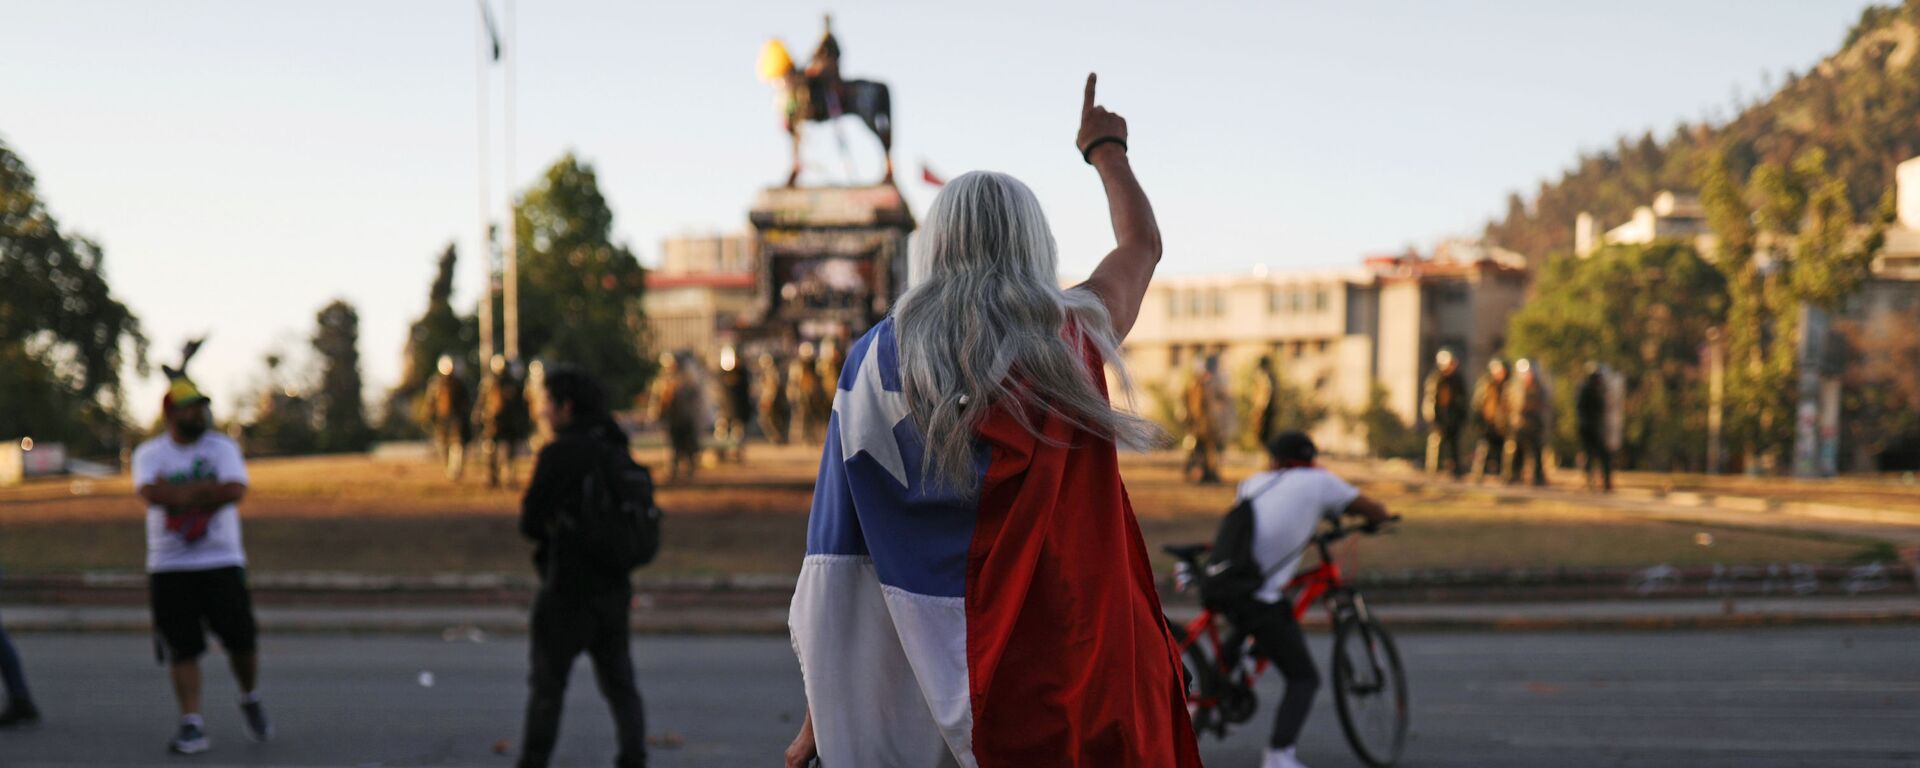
<point x="243" y="163"/>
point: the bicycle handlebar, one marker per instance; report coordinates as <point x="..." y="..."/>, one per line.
<point x="1339" y="531"/>
<point x="1192" y="552"/>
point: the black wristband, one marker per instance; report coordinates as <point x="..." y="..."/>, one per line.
<point x="1087" y="154"/>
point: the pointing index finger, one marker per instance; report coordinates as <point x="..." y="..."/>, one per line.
<point x="1087" y="106"/>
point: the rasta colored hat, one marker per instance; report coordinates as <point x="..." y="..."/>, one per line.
<point x="180" y="390"/>
<point x="180" y="393"/>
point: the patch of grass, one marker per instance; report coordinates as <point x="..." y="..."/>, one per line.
<point x="353" y="514"/>
<point x="1876" y="552"/>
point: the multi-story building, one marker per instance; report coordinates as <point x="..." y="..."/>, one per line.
<point x="700" y="291"/>
<point x="1332" y="333"/>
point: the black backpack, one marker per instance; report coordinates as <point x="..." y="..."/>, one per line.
<point x="615" y="526"/>
<point x="1232" y="574"/>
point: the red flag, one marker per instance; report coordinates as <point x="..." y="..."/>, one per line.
<point x="926" y="175"/>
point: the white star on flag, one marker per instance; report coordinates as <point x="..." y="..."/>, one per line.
<point x="868" y="414"/>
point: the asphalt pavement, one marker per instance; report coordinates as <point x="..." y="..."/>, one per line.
<point x="1747" y="697"/>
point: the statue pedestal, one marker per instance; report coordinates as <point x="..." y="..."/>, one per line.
<point x="832" y="259"/>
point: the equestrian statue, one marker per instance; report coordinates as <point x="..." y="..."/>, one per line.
<point x="816" y="94"/>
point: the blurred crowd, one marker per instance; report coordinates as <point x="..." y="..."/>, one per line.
<point x="1498" y="427"/>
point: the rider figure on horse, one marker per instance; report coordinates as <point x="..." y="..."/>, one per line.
<point x="823" y="73"/>
<point x="818" y="94"/>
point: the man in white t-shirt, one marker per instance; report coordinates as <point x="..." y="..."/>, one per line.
<point x="192" y="479"/>
<point x="1289" y="501"/>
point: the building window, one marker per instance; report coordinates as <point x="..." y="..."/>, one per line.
<point x="1219" y="302"/>
<point x="1320" y="300"/>
<point x="1320" y="346"/>
<point x="1273" y="301"/>
<point x="1173" y="357"/>
<point x="1173" y="303"/>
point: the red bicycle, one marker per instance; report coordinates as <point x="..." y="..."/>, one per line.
<point x="1369" y="686"/>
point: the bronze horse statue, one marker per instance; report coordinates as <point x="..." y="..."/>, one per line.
<point x="816" y="94"/>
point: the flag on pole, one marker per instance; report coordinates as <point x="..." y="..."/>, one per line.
<point x="493" y="32"/>
<point x="927" y="175"/>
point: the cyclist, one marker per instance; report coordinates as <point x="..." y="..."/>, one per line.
<point x="1289" y="501"/>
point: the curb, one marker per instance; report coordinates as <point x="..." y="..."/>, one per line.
<point x="1655" y="623"/>
<point x="478" y="626"/>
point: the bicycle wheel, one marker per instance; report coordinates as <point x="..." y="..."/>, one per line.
<point x="1203" y="684"/>
<point x="1369" y="689"/>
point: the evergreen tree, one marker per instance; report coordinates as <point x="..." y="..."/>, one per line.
<point x="439" y="331"/>
<point x="341" y="411"/>
<point x="1790" y="240"/>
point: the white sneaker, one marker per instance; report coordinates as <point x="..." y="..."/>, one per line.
<point x="1281" y="758"/>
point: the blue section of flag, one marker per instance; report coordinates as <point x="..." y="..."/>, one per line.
<point x="833" y="528"/>
<point x="918" y="535"/>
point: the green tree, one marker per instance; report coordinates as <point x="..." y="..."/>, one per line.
<point x="64" y="337"/>
<point x="1296" y="406"/>
<point x="1388" y="437"/>
<point x="579" y="291"/>
<point x="340" y="408"/>
<point x="1645" y="311"/>
<point x="1788" y="241"/>
<point x="1882" y="391"/>
<point x="283" y="417"/>
<point x="439" y="331"/>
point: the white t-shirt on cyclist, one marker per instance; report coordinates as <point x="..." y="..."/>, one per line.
<point x="1290" y="505"/>
<point x="195" y="539"/>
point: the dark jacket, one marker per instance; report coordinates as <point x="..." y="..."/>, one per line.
<point x="558" y="474"/>
<point x="1591" y="407"/>
<point x="1445" y="400"/>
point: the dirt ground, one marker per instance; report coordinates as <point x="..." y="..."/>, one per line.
<point x="360" y="514"/>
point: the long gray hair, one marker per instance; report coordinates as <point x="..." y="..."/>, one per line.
<point x="984" y="321"/>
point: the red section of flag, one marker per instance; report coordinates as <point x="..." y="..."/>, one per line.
<point x="926" y="175"/>
<point x="1069" y="662"/>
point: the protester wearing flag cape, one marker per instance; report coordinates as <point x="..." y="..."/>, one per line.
<point x="975" y="590"/>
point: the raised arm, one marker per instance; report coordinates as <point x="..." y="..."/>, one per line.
<point x="1122" y="277"/>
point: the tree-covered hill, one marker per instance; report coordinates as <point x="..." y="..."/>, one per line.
<point x="1861" y="105"/>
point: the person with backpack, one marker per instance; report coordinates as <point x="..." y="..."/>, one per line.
<point x="1287" y="503"/>
<point x="579" y="510"/>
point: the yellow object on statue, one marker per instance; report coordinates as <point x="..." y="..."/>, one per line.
<point x="774" y="61"/>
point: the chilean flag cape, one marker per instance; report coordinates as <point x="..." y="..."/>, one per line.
<point x="1014" y="626"/>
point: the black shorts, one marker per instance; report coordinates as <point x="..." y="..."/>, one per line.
<point x="188" y="603"/>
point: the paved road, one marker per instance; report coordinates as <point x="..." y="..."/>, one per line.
<point x="1762" y="697"/>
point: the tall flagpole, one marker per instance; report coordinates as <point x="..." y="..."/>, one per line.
<point x="511" y="293"/>
<point x="486" y="198"/>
